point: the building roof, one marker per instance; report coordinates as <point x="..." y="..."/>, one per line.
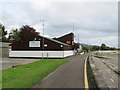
<point x="68" y="39"/>
<point x="56" y="41"/>
<point x="66" y="35"/>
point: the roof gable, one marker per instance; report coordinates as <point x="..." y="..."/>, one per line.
<point x="56" y="41"/>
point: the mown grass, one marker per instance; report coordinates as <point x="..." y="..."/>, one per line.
<point x="27" y="75"/>
<point x="0" y="80"/>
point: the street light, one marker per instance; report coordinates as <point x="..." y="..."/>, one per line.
<point x="78" y="38"/>
<point x="73" y="26"/>
<point x="43" y="24"/>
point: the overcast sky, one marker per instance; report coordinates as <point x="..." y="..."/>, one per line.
<point x="95" y="22"/>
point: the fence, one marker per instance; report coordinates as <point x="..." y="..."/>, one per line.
<point x="41" y="54"/>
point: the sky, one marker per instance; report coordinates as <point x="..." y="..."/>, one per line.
<point x="95" y="22"/>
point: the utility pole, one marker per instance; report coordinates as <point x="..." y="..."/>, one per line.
<point x="43" y="24"/>
<point x="78" y="38"/>
<point x="73" y="26"/>
<point x="74" y="29"/>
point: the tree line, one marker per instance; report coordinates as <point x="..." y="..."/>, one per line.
<point x="103" y="46"/>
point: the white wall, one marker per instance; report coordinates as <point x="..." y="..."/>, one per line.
<point x="45" y="54"/>
<point x="68" y="53"/>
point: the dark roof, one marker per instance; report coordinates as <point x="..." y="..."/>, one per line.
<point x="66" y="38"/>
<point x="56" y="41"/>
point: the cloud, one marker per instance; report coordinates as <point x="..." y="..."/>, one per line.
<point x="39" y="5"/>
<point x="93" y="21"/>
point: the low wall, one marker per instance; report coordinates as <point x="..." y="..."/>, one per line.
<point x="4" y="49"/>
<point x="109" y="52"/>
<point x="40" y="54"/>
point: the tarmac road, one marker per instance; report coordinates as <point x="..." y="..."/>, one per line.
<point x="6" y="62"/>
<point x="69" y="75"/>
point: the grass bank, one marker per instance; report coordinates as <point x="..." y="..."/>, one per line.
<point x="106" y="54"/>
<point x="29" y="74"/>
<point x="91" y="79"/>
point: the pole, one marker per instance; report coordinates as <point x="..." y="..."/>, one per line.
<point x="73" y="30"/>
<point x="43" y="31"/>
<point x="78" y="38"/>
<point x="73" y="26"/>
<point x="43" y="34"/>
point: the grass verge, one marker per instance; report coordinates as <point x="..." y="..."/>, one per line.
<point x="118" y="72"/>
<point x="27" y="75"/>
<point x="106" y="54"/>
<point x="0" y="80"/>
<point x="91" y="78"/>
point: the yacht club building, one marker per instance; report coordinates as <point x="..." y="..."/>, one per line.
<point x="43" y="47"/>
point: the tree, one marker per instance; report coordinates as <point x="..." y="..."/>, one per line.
<point x="104" y="47"/>
<point x="113" y="48"/>
<point x="14" y="35"/>
<point x="27" y="33"/>
<point x="95" y="48"/>
<point x="3" y="33"/>
<point x="85" y="48"/>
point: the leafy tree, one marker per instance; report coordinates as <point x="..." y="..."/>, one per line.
<point x="104" y="47"/>
<point x="95" y="48"/>
<point x="3" y="33"/>
<point x="85" y="48"/>
<point x="14" y="35"/>
<point x="113" y="48"/>
<point x="27" y="33"/>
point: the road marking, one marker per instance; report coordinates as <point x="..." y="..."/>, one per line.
<point x="85" y="74"/>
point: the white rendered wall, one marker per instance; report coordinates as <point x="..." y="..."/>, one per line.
<point x="68" y="53"/>
<point x="45" y="54"/>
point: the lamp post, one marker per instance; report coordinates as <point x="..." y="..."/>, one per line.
<point x="78" y="38"/>
<point x="43" y="24"/>
<point x="73" y="26"/>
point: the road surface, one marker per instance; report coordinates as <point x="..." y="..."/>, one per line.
<point x="69" y="75"/>
<point x="7" y="62"/>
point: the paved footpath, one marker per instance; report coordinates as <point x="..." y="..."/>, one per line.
<point x="104" y="75"/>
<point x="69" y="75"/>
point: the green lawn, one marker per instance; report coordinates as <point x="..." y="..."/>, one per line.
<point x="0" y="80"/>
<point x="29" y="74"/>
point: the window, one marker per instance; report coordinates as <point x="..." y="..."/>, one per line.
<point x="68" y="42"/>
<point x="45" y="45"/>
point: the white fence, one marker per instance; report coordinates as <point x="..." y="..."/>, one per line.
<point x="41" y="54"/>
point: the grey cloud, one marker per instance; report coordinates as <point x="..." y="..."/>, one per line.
<point x="91" y="19"/>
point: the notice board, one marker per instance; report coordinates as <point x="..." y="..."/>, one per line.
<point x="34" y="43"/>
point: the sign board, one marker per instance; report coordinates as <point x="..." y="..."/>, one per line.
<point x="34" y="43"/>
<point x="68" y="42"/>
<point x="45" y="45"/>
